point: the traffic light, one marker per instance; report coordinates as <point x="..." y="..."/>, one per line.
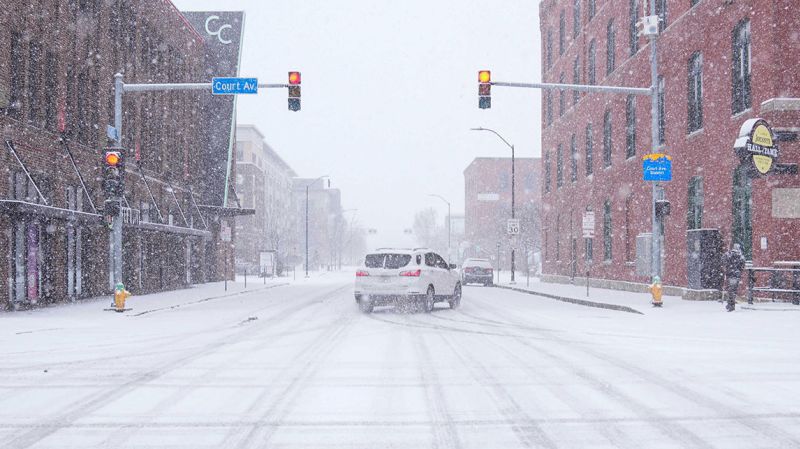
<point x="114" y="172"/>
<point x="484" y="89"/>
<point x="662" y="208"/>
<point x="294" y="91"/>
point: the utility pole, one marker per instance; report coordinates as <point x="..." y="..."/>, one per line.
<point x="654" y="142"/>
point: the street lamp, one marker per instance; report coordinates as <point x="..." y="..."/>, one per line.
<point x="307" y="186"/>
<point x="513" y="189"/>
<point x="449" y="219"/>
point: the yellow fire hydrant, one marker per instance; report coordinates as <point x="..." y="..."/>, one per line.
<point x="120" y="295"/>
<point x="656" y="291"/>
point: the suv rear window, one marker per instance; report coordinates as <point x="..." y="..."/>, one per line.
<point x="390" y="261"/>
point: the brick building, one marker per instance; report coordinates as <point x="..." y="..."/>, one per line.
<point x="56" y="98"/>
<point x="487" y="207"/>
<point x="721" y="63"/>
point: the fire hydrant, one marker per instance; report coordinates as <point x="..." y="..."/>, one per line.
<point x="656" y="291"/>
<point x="120" y="295"/>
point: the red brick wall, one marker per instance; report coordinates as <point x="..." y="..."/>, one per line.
<point x="706" y="27"/>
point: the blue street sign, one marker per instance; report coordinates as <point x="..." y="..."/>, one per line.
<point x="234" y="86"/>
<point x="657" y="167"/>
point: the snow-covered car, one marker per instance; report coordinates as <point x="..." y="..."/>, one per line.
<point x="477" y="271"/>
<point x="418" y="277"/>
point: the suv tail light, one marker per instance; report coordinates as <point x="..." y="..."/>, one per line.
<point x="488" y="270"/>
<point x="411" y="273"/>
<point x="468" y="270"/>
<point x="361" y="273"/>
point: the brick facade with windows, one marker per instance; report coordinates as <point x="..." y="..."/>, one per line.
<point x="720" y="64"/>
<point x="57" y="66"/>
<point x="487" y="207"/>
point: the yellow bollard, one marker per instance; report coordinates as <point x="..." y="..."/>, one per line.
<point x="656" y="292"/>
<point x="120" y="295"/>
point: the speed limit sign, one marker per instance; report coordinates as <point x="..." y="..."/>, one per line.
<point x="512" y="226"/>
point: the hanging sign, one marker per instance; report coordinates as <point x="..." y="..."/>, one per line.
<point x="657" y="167"/>
<point x="756" y="142"/>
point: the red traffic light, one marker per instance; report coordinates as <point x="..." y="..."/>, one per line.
<point x="112" y="158"/>
<point x="485" y="76"/>
<point x="294" y="78"/>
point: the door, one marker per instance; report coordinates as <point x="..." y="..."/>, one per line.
<point x="742" y="232"/>
<point x="574" y="258"/>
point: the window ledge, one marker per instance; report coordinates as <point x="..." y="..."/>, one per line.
<point x="607" y="262"/>
<point x="739" y="114"/>
<point x="696" y="133"/>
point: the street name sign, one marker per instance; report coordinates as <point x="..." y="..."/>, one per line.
<point x="657" y="167"/>
<point x="512" y="226"/>
<point x="587" y="224"/>
<point x="234" y="86"/>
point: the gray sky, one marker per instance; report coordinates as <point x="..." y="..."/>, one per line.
<point x="389" y="94"/>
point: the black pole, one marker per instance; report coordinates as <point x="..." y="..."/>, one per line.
<point x="306" y="230"/>
<point x="513" y="213"/>
<point x="225" y="275"/>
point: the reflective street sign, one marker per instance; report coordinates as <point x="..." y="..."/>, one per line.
<point x="587" y="224"/>
<point x="657" y="167"/>
<point x="234" y="86"/>
<point x="512" y="226"/>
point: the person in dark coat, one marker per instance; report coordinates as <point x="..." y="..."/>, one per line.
<point x="733" y="263"/>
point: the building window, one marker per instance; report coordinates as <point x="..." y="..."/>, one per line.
<point x="589" y="250"/>
<point x="562" y="33"/>
<point x="34" y="82"/>
<point x="628" y="245"/>
<point x="607" y="139"/>
<point x="548" y="113"/>
<point x="576" y="79"/>
<point x="589" y="149"/>
<point x="693" y="2"/>
<point x="560" y="166"/>
<point x="17" y="63"/>
<point x="662" y="131"/>
<point x="695" y="212"/>
<point x="547" y="172"/>
<point x="573" y="151"/>
<point x="610" y="47"/>
<point x="633" y="34"/>
<point x="592" y="7"/>
<point x="630" y="126"/>
<point x="661" y="12"/>
<point x="591" y="62"/>
<point x="741" y="67"/>
<point x="562" y="97"/>
<point x="549" y="49"/>
<point x="576" y="19"/>
<point x="695" y="92"/>
<point x="51" y="82"/>
<point x="607" y="234"/>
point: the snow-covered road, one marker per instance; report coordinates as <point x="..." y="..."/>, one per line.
<point x="298" y="366"/>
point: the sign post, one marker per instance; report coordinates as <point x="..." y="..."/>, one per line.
<point x="587" y="227"/>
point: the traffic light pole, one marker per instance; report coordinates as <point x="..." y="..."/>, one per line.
<point x="121" y="88"/>
<point x="652" y="92"/>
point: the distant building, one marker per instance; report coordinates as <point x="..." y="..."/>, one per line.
<point x="263" y="183"/>
<point x="488" y="208"/>
<point x="721" y="63"/>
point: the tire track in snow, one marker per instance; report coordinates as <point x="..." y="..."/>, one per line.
<point x="445" y="433"/>
<point x="85" y="406"/>
<point x="769" y="430"/>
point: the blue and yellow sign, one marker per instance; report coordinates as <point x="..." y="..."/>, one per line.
<point x="657" y="167"/>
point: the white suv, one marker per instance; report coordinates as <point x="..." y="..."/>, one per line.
<point x="417" y="276"/>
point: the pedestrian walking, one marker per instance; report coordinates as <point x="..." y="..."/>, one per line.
<point x="733" y="263"/>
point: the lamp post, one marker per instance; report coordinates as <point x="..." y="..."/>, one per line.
<point x="449" y="219"/>
<point x="513" y="189"/>
<point x="307" y="186"/>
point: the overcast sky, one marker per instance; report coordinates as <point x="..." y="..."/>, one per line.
<point x="389" y="94"/>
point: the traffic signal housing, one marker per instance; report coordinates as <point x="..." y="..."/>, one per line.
<point x="485" y="89"/>
<point x="294" y="91"/>
<point x="114" y="172"/>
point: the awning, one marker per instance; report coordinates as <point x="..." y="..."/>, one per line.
<point x="156" y="227"/>
<point x="26" y="208"/>
<point x="225" y="211"/>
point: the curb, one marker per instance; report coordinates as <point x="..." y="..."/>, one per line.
<point x="580" y="302"/>
<point x="207" y="299"/>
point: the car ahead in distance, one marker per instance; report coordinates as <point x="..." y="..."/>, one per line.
<point x="477" y="271"/>
<point x="418" y="277"/>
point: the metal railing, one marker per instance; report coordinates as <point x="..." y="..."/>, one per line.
<point x="779" y="286"/>
<point x="131" y="216"/>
